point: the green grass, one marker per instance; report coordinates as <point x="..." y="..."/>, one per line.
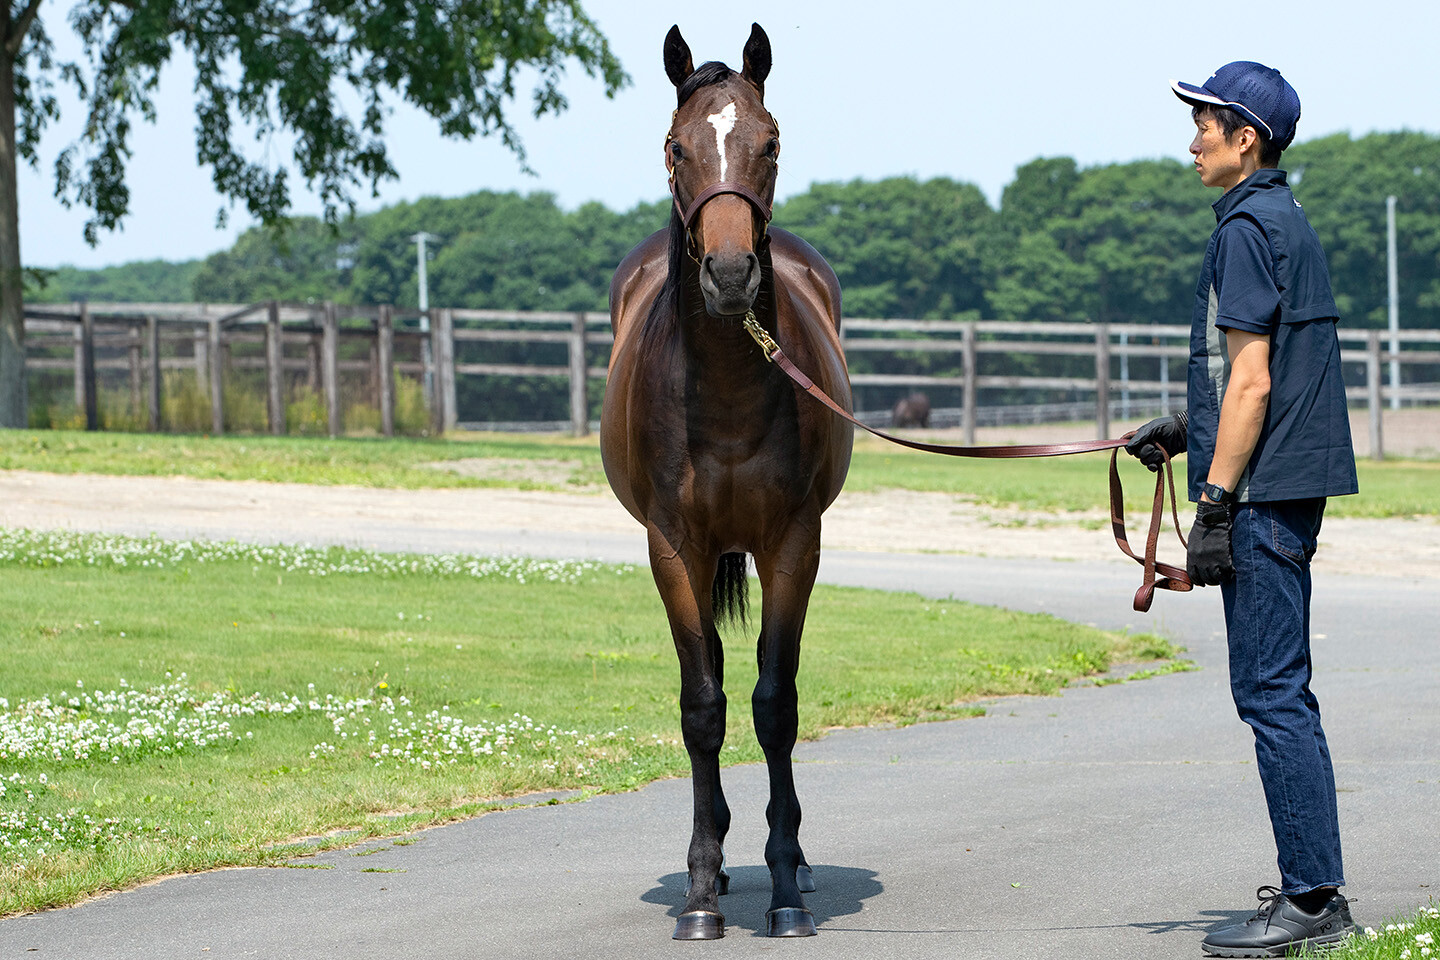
<point x="571" y="662"/>
<point x="401" y="462"/>
<point x="1392" y="488"/>
<point x="1401" y="938"/>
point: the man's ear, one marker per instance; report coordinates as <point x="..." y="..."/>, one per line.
<point x="1249" y="139"/>
<point x="678" y="65"/>
<point x="757" y="58"/>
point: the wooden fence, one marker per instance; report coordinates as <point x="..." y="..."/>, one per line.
<point x="212" y="331"/>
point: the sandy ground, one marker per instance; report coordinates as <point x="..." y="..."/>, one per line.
<point x="469" y="520"/>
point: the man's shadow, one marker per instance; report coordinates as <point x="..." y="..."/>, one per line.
<point x="839" y="892"/>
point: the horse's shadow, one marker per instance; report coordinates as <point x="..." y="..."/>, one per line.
<point x="839" y="892"/>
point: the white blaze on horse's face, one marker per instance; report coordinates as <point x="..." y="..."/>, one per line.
<point x="723" y="122"/>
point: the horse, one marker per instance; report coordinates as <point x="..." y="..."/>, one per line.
<point x="709" y="446"/>
<point x="912" y="410"/>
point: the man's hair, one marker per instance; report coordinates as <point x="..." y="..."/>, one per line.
<point x="1231" y="121"/>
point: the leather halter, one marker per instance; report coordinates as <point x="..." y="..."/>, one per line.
<point x="688" y="215"/>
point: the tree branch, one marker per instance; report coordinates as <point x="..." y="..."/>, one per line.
<point x="20" y="27"/>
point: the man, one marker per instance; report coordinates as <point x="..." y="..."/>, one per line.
<point x="1268" y="440"/>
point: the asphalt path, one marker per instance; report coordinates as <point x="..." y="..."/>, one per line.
<point x="1116" y="821"/>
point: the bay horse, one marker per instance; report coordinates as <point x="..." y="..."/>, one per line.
<point x="714" y="451"/>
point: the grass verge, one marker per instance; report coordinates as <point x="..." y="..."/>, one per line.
<point x="171" y="707"/>
<point x="1392" y="488"/>
<point x="1403" y="938"/>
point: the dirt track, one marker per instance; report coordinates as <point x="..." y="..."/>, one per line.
<point x="893" y="521"/>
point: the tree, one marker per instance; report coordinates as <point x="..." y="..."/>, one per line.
<point x="901" y="248"/>
<point x="276" y="65"/>
<point x="1343" y="183"/>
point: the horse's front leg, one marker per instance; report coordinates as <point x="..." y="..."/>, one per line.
<point x="787" y="575"/>
<point x="684" y="583"/>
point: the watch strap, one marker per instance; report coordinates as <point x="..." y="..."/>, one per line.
<point x="1218" y="493"/>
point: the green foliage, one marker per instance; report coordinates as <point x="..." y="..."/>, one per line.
<point x="1120" y="243"/>
<point x="1343" y="183"/>
<point x="901" y="248"/>
<point x="287" y="65"/>
<point x="495" y="250"/>
<point x="141" y="281"/>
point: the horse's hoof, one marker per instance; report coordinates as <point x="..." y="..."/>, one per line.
<point x="790" y="922"/>
<point x="700" y="925"/>
<point x="804" y="878"/>
<point x="722" y="885"/>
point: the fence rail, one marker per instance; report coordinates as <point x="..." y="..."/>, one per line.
<point x="304" y="341"/>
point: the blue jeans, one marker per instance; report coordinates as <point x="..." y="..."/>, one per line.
<point x="1267" y="618"/>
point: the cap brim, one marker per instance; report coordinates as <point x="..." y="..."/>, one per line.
<point x="1196" y="96"/>
<point x="1199" y="96"/>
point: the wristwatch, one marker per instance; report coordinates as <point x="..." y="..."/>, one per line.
<point x="1217" y="493"/>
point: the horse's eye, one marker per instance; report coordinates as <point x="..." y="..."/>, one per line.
<point x="772" y="148"/>
<point x="676" y="153"/>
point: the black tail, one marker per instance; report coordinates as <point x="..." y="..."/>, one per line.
<point x="729" y="594"/>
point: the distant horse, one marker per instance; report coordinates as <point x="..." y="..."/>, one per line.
<point x="709" y="446"/>
<point x="911" y="411"/>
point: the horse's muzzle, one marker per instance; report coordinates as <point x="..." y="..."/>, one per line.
<point x="730" y="282"/>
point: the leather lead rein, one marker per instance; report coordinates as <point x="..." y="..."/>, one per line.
<point x="1158" y="575"/>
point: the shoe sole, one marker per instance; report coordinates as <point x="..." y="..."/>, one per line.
<point x="1314" y="943"/>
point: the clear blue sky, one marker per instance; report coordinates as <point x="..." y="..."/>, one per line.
<point x="861" y="89"/>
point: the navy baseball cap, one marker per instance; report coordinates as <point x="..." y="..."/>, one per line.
<point x="1258" y="92"/>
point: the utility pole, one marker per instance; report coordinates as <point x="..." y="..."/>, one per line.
<point x="1393" y="275"/>
<point x="420" y="239"/>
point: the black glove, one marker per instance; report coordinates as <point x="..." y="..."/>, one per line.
<point x="1208" y="561"/>
<point x="1167" y="432"/>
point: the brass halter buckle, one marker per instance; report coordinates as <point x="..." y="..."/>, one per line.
<point x="761" y="336"/>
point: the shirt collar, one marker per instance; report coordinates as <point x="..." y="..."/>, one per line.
<point x="1266" y="178"/>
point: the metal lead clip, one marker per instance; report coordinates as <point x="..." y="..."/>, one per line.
<point x="761" y="336"/>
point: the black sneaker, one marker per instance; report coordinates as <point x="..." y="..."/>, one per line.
<point x="1280" y="926"/>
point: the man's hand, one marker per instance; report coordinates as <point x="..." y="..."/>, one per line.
<point x="1208" y="562"/>
<point x="1167" y="432"/>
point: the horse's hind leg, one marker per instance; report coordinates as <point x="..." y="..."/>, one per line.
<point x="685" y="589"/>
<point x="787" y="576"/>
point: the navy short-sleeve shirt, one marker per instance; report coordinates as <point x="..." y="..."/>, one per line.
<point x="1264" y="272"/>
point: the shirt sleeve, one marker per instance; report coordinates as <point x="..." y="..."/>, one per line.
<point x="1244" y="279"/>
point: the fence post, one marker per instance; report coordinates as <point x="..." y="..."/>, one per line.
<point x="87" y="364"/>
<point x="445" y="370"/>
<point x="1102" y="381"/>
<point x="312" y="362"/>
<point x="439" y="340"/>
<point x="217" y="388"/>
<point x="133" y="342"/>
<point x="1372" y="395"/>
<point x="330" y="365"/>
<point x="274" y="370"/>
<point x="202" y="360"/>
<point x="579" y="401"/>
<point x="385" y="353"/>
<point x="1164" y="378"/>
<point x="152" y="340"/>
<point x="967" y="401"/>
<point x="79" y="369"/>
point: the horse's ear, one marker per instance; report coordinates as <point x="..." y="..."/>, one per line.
<point x="678" y="65"/>
<point x="757" y="58"/>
